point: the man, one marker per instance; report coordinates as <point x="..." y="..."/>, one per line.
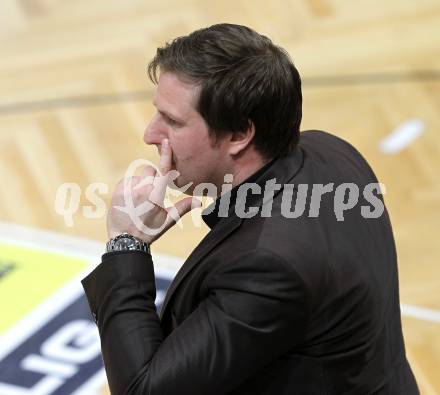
<point x="274" y="300"/>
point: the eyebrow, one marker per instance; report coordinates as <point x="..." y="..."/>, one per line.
<point x="169" y="115"/>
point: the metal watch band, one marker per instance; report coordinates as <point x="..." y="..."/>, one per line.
<point x="126" y="242"/>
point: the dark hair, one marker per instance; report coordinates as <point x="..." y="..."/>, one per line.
<point x="243" y="78"/>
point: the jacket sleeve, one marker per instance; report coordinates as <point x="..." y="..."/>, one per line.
<point x="252" y="311"/>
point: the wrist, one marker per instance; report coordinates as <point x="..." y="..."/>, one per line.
<point x="113" y="232"/>
<point x="127" y="242"/>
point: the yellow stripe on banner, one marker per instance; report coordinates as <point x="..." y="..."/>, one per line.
<point x="28" y="276"/>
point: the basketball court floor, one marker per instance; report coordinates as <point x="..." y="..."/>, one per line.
<point x="75" y="99"/>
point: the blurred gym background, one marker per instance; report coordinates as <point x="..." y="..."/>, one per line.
<point x="74" y="102"/>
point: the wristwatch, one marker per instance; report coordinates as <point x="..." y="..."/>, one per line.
<point x="126" y="242"/>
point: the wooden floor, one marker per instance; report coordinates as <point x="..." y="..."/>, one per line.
<point x="75" y="98"/>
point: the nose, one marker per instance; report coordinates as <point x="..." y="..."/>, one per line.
<point x="154" y="132"/>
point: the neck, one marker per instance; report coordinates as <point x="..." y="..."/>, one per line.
<point x="244" y="167"/>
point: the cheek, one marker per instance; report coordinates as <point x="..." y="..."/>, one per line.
<point x="184" y="149"/>
<point x="181" y="156"/>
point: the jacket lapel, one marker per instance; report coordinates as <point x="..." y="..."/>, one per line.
<point x="283" y="170"/>
<point x="208" y="243"/>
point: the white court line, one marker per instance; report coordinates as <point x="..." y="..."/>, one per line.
<point x="402" y="136"/>
<point x="420" y="313"/>
<point x="75" y="247"/>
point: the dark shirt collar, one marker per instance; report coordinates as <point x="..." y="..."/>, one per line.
<point x="211" y="214"/>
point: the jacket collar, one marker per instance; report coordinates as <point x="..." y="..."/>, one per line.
<point x="282" y="170"/>
<point x="212" y="214"/>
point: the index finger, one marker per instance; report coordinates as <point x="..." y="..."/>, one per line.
<point x="166" y="157"/>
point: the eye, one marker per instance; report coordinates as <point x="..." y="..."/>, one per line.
<point x="170" y="121"/>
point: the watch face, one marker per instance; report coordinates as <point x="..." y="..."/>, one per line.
<point x="125" y="243"/>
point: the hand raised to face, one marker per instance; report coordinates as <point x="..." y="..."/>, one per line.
<point x="138" y="206"/>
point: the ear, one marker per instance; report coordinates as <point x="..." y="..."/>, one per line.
<point x="240" y="140"/>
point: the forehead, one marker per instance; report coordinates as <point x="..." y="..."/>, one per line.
<point x="173" y="94"/>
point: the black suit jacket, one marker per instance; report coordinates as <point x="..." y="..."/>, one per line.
<point x="265" y="305"/>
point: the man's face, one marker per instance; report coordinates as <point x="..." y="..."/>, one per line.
<point x="194" y="155"/>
